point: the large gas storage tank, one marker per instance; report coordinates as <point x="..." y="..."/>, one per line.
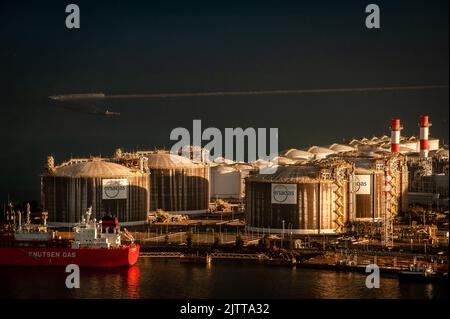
<point x="228" y="181"/>
<point x="177" y="184"/>
<point x="369" y="184"/>
<point x="368" y="189"/>
<point x="302" y="199"/>
<point x="67" y="191"/>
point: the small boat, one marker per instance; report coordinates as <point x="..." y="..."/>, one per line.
<point x="422" y="273"/>
<point x="110" y="113"/>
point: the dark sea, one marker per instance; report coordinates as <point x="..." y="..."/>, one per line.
<point x="170" y="279"/>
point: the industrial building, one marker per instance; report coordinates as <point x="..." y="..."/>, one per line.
<point x="428" y="170"/>
<point x="365" y="181"/>
<point x="69" y="189"/>
<point x="313" y="191"/>
<point x="313" y="198"/>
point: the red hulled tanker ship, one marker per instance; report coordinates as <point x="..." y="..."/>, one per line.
<point x="95" y="244"/>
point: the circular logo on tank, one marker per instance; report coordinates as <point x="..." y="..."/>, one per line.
<point x="112" y="189"/>
<point x="280" y="193"/>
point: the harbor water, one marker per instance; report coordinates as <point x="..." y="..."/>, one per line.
<point x="168" y="278"/>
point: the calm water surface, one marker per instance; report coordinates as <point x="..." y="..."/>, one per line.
<point x="168" y="278"/>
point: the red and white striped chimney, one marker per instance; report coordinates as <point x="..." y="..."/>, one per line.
<point x="395" y="135"/>
<point x="424" y="136"/>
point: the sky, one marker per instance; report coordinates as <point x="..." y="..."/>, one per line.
<point x="131" y="47"/>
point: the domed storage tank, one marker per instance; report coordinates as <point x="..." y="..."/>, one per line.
<point x="341" y="148"/>
<point x="281" y="160"/>
<point x="320" y="152"/>
<point x="302" y="199"/>
<point x="177" y="184"/>
<point x="69" y="190"/>
<point x="296" y="154"/>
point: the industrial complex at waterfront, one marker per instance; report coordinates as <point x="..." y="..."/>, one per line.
<point x="317" y="190"/>
<point x="383" y="195"/>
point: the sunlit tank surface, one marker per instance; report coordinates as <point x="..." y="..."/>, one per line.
<point x="228" y="181"/>
<point x="296" y="154"/>
<point x="68" y="190"/>
<point x="320" y="152"/>
<point x="370" y="165"/>
<point x="300" y="199"/>
<point x="178" y="184"/>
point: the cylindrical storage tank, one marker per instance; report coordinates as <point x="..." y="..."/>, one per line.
<point x="177" y="184"/>
<point x="368" y="189"/>
<point x="68" y="191"/>
<point x="228" y="182"/>
<point x="293" y="199"/>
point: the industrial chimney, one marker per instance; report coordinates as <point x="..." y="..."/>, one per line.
<point x="424" y="124"/>
<point x="395" y="135"/>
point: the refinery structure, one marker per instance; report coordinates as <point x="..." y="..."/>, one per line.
<point x="319" y="190"/>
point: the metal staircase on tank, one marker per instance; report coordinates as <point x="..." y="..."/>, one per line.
<point x="390" y="203"/>
<point x="339" y="192"/>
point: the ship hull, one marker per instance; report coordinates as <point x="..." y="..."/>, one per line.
<point x="62" y="256"/>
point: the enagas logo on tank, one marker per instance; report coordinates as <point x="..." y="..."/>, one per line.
<point x="284" y="194"/>
<point x="362" y="184"/>
<point x="114" y="188"/>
